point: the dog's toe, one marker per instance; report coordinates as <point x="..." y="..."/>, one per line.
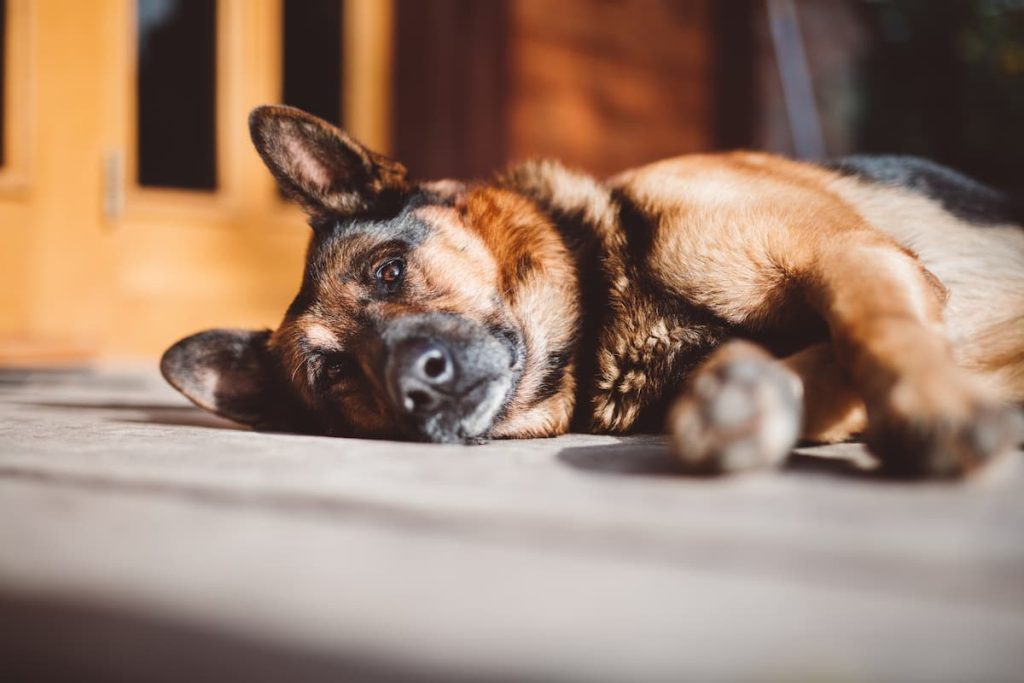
<point x="742" y="415"/>
<point x="930" y="447"/>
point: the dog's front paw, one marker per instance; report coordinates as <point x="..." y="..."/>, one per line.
<point x="943" y="444"/>
<point x="743" y="414"/>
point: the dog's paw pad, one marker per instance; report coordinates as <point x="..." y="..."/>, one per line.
<point x="744" y="414"/>
<point x="942" y="447"/>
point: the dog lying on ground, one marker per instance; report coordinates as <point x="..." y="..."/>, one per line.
<point x="745" y="300"/>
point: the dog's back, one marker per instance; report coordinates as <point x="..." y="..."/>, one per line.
<point x="969" y="236"/>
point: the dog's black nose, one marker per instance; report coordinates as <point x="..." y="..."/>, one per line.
<point x="421" y="372"/>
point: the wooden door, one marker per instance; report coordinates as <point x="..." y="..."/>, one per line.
<point x="95" y="263"/>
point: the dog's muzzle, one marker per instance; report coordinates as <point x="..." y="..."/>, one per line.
<point x="447" y="377"/>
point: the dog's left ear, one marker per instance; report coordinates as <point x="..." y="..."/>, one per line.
<point x="230" y="373"/>
<point x="323" y="168"/>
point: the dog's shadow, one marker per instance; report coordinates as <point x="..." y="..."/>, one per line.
<point x="149" y="413"/>
<point x="649" y="457"/>
<point x="642" y="456"/>
<point x="652" y="457"/>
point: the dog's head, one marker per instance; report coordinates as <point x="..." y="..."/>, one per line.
<point x="433" y="311"/>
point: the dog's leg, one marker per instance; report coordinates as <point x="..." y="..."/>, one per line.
<point x="926" y="415"/>
<point x="741" y="410"/>
<point x="744" y="409"/>
<point x="888" y="370"/>
<point x="833" y="410"/>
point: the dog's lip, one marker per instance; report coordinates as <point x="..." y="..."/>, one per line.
<point x="513" y="341"/>
<point x="457" y="394"/>
<point x="462" y="411"/>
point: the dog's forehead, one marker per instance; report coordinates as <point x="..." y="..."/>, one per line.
<point x="350" y="237"/>
<point x="341" y="238"/>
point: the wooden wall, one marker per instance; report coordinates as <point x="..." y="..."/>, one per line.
<point x="607" y="85"/>
<point x="601" y="84"/>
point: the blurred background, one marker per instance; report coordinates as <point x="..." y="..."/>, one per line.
<point x="133" y="210"/>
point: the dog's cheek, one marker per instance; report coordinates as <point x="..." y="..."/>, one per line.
<point x="361" y="415"/>
<point x="457" y="267"/>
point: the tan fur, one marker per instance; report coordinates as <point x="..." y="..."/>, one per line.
<point x="833" y="411"/>
<point x="983" y="269"/>
<point x="766" y="244"/>
<point x="540" y="285"/>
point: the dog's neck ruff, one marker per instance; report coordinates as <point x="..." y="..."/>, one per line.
<point x="635" y="343"/>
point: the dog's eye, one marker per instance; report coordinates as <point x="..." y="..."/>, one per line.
<point x="389" y="275"/>
<point x="338" y="366"/>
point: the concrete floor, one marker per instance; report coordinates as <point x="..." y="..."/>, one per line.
<point x="143" y="540"/>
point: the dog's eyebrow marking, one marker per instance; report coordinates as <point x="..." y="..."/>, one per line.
<point x="406" y="226"/>
<point x="318" y="335"/>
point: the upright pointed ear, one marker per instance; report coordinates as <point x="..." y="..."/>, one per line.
<point x="230" y="373"/>
<point x="322" y="167"/>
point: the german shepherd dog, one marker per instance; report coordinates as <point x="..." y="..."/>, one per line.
<point x="744" y="300"/>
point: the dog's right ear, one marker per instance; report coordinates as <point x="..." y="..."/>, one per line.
<point x="230" y="373"/>
<point x="321" y="167"/>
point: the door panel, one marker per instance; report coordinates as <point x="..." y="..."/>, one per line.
<point x="91" y="264"/>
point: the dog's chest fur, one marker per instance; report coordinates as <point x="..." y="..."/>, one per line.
<point x="672" y="263"/>
<point x="636" y="342"/>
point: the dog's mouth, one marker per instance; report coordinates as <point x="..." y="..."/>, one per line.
<point x="467" y="418"/>
<point x="448" y="379"/>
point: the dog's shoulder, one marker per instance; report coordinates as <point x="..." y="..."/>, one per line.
<point x="960" y="195"/>
<point x="559" y="189"/>
<point x="581" y="207"/>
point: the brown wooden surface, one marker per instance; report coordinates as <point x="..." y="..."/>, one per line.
<point x="608" y="85"/>
<point x="450" y="87"/>
<point x="81" y="275"/>
<point x="600" y="85"/>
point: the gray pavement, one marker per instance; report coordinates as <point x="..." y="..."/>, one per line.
<point x="141" y="539"/>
